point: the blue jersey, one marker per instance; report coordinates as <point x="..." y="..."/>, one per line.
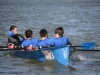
<point x="28" y="42"/>
<point x="57" y="42"/>
<point x="45" y="42"/>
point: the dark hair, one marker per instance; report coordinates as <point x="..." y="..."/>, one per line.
<point x="60" y="31"/>
<point x="12" y="27"/>
<point x="28" y="33"/>
<point x="43" y="32"/>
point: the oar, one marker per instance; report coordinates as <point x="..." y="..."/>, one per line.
<point x="84" y="46"/>
<point x="8" y="49"/>
<point x="87" y="50"/>
<point x="24" y="46"/>
<point x="88" y="45"/>
<point x="3" y="46"/>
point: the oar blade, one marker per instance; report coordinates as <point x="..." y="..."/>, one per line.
<point x="88" y="45"/>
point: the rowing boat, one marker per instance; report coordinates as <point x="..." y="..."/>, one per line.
<point x="61" y="54"/>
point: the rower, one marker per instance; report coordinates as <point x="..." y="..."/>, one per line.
<point x="45" y="41"/>
<point x="60" y="40"/>
<point x="14" y="37"/>
<point x="29" y="41"/>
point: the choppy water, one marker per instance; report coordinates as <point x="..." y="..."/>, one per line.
<point x="80" y="20"/>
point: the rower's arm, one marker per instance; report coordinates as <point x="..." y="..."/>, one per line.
<point x="69" y="43"/>
<point x="20" y="36"/>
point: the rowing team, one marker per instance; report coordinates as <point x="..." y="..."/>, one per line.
<point x="18" y="40"/>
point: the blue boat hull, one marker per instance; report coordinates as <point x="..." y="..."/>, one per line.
<point x="61" y="54"/>
<point x="37" y="54"/>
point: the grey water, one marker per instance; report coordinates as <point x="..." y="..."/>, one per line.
<point x="80" y="20"/>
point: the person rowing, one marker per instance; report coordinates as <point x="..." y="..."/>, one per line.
<point x="60" y="40"/>
<point x="29" y="41"/>
<point x="45" y="41"/>
<point x="14" y="37"/>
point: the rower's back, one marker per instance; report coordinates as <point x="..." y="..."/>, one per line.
<point x="29" y="40"/>
<point x="45" y="41"/>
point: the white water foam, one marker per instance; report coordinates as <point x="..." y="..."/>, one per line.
<point x="81" y="58"/>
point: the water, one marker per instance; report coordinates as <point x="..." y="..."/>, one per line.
<point x="80" y="20"/>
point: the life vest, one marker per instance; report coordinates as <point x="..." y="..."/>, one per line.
<point x="15" y="40"/>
